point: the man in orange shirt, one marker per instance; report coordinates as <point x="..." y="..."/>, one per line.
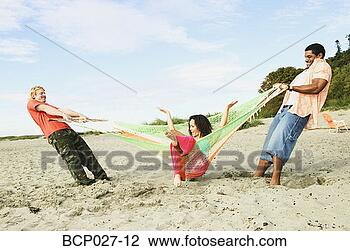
<point x="301" y="105"/>
<point x="69" y="145"/>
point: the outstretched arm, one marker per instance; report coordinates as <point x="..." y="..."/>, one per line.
<point x="53" y="111"/>
<point x="75" y="115"/>
<point x="71" y="113"/>
<point x="169" y="119"/>
<point x="225" y="113"/>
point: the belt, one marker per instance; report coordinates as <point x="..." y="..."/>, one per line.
<point x="60" y="132"/>
<point x="287" y="106"/>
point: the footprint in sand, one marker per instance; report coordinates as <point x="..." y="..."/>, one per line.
<point x="297" y="182"/>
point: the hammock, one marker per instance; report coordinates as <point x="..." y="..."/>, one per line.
<point x="152" y="138"/>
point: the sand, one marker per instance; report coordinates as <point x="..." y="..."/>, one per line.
<point x="314" y="195"/>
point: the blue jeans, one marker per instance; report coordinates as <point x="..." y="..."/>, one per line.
<point x="282" y="136"/>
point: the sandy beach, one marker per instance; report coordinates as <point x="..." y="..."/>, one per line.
<point x="314" y="195"/>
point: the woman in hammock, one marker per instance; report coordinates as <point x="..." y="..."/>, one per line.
<point x="188" y="160"/>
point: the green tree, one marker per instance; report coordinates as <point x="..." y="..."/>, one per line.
<point x="337" y="43"/>
<point x="339" y="90"/>
<point x="348" y="37"/>
<point x="339" y="59"/>
<point x="281" y="75"/>
<point x="163" y="122"/>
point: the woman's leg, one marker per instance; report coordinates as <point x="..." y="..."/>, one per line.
<point x="177" y="158"/>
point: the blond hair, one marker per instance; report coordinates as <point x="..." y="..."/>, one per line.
<point x="33" y="91"/>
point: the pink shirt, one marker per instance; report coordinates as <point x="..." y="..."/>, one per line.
<point x="191" y="163"/>
<point x="311" y="104"/>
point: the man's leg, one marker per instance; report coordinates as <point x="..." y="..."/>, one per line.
<point x="64" y="144"/>
<point x="265" y="160"/>
<point x="88" y="158"/>
<point x="277" y="169"/>
<point x="283" y="141"/>
<point x="262" y="167"/>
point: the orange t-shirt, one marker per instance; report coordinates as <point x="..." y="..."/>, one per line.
<point x="42" y="119"/>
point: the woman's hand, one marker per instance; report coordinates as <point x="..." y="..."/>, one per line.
<point x="232" y="103"/>
<point x="225" y="113"/>
<point x="164" y="110"/>
<point x="169" y="120"/>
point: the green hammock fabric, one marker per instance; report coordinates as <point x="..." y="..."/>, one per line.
<point x="152" y="138"/>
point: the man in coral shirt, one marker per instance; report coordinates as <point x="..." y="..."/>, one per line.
<point x="70" y="146"/>
<point x="301" y="105"/>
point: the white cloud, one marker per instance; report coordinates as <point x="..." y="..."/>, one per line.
<point x="341" y="19"/>
<point x="205" y="74"/>
<point x="292" y="13"/>
<point x="180" y="36"/>
<point x="13" y="97"/>
<point x="104" y="26"/>
<point x="12" y="12"/>
<point x="18" y="50"/>
<point x="219" y="11"/>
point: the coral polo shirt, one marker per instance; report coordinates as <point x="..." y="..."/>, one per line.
<point x="42" y="119"/>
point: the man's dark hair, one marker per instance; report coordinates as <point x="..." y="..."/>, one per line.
<point x="316" y="49"/>
<point x="202" y="124"/>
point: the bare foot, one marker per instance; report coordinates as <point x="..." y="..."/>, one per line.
<point x="261" y="169"/>
<point x="172" y="137"/>
<point x="177" y="180"/>
<point x="257" y="175"/>
<point x="275" y="182"/>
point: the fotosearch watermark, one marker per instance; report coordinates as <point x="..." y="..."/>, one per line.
<point x="156" y="160"/>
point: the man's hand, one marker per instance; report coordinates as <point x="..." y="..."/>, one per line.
<point x="280" y="85"/>
<point x="82" y="119"/>
<point x="284" y="87"/>
<point x="67" y="117"/>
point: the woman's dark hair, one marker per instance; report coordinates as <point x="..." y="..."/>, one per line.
<point x="202" y="124"/>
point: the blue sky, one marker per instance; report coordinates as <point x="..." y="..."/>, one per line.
<point x="173" y="53"/>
